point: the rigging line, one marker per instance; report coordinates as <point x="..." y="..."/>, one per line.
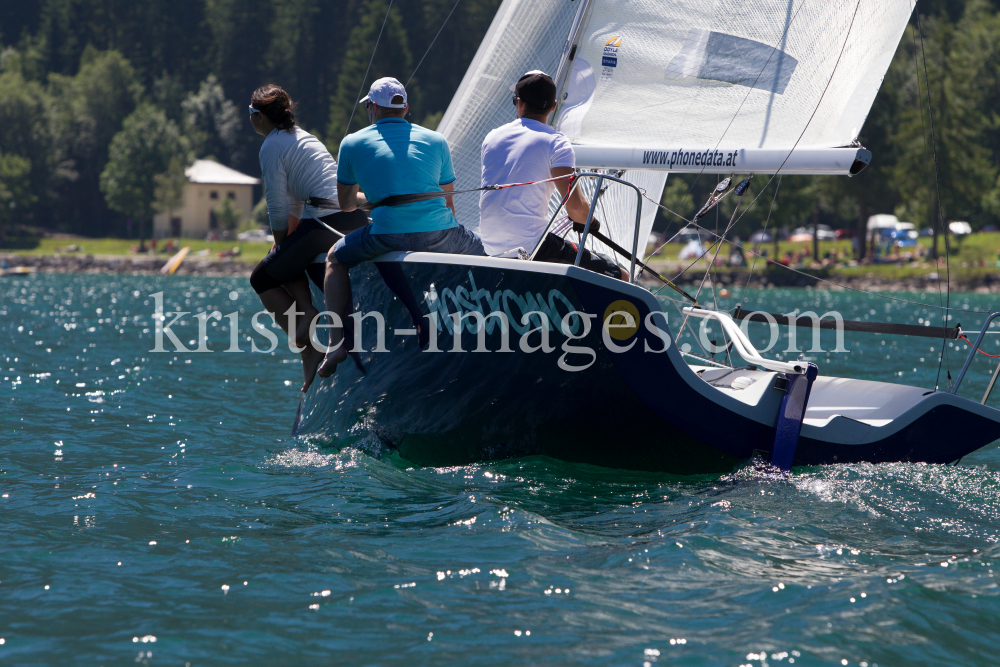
<point x="685" y="321"/>
<point x="718" y="248"/>
<point x="995" y="356"/>
<point x="784" y="36"/>
<point x="432" y="43"/>
<point x="804" y="129"/>
<point x="660" y="247"/>
<point x="720" y="240"/>
<point x="759" y="243"/>
<point x="728" y="345"/>
<point x="940" y="206"/>
<point x="708" y="269"/>
<point x="370" y="61"/>
<point x="845" y="287"/>
<point x="923" y="141"/>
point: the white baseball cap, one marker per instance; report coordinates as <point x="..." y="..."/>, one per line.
<point x="513" y="86"/>
<point x="382" y="92"/>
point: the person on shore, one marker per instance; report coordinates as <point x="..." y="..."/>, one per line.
<point x="297" y="168"/>
<point x="390" y="157"/>
<point x="525" y="150"/>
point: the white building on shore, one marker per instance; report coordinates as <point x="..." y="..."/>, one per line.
<point x="208" y="183"/>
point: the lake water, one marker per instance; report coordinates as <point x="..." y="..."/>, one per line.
<point x="155" y="510"/>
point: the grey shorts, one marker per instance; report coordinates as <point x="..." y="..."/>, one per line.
<point x="361" y="245"/>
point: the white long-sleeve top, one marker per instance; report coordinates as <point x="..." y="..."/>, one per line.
<point x="295" y="166"/>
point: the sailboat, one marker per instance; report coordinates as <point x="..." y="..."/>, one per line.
<point x="531" y="358"/>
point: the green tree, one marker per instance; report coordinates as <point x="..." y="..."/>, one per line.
<point x="212" y="123"/>
<point x="25" y="134"/>
<point x="15" y="190"/>
<point x="228" y="215"/>
<point x="392" y="58"/>
<point x="677" y="197"/>
<point x="964" y="168"/>
<point x="442" y="71"/>
<point x="86" y="112"/>
<point x="259" y="214"/>
<point x="168" y="189"/>
<point x="144" y="148"/>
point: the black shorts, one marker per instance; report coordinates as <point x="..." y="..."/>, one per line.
<point x="561" y="251"/>
<point x="290" y="260"/>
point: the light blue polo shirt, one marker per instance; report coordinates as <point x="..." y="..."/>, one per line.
<point x="395" y="157"/>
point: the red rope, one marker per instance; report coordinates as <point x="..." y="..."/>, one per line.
<point x="995" y="356"/>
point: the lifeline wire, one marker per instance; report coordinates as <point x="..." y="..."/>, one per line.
<point x="802" y="273"/>
<point x="370" y="61"/>
<point x="845" y="287"/>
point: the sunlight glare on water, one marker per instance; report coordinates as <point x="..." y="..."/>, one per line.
<point x="156" y="510"/>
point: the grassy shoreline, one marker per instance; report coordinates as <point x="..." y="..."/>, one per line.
<point x="250" y="253"/>
<point x="972" y="262"/>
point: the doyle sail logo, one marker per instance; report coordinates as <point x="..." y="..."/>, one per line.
<point x="610" y="57"/>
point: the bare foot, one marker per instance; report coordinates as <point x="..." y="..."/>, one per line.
<point x="302" y="330"/>
<point x="311" y="359"/>
<point x="333" y="358"/>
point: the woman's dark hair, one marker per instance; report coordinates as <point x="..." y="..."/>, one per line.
<point x="275" y="103"/>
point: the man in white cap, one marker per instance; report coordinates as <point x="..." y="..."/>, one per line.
<point x="526" y="150"/>
<point x="389" y="161"/>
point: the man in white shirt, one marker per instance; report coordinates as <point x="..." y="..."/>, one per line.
<point x="524" y="150"/>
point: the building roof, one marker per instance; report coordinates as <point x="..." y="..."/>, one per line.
<point x="211" y="172"/>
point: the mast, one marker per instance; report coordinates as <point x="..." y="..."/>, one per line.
<point x="569" y="54"/>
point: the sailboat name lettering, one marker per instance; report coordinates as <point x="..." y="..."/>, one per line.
<point x="463" y="300"/>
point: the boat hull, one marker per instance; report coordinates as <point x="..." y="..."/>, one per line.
<point x="621" y="398"/>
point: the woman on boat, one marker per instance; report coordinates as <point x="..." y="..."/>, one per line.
<point x="300" y="186"/>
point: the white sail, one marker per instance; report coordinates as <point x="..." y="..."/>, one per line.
<point x="524" y="35"/>
<point x="695" y="86"/>
<point x="697" y="78"/>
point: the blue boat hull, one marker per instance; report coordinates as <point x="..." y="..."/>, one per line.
<point x="637" y="407"/>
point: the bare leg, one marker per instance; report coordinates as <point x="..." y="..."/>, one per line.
<point x="278" y="302"/>
<point x="337" y="290"/>
<point x="299" y="290"/>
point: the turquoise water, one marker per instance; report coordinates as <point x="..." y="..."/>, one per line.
<point x="155" y="510"/>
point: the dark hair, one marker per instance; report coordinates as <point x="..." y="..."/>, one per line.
<point x="536" y="111"/>
<point x="275" y="103"/>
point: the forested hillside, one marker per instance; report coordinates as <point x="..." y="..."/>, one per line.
<point x="84" y="84"/>
<point x="72" y="71"/>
